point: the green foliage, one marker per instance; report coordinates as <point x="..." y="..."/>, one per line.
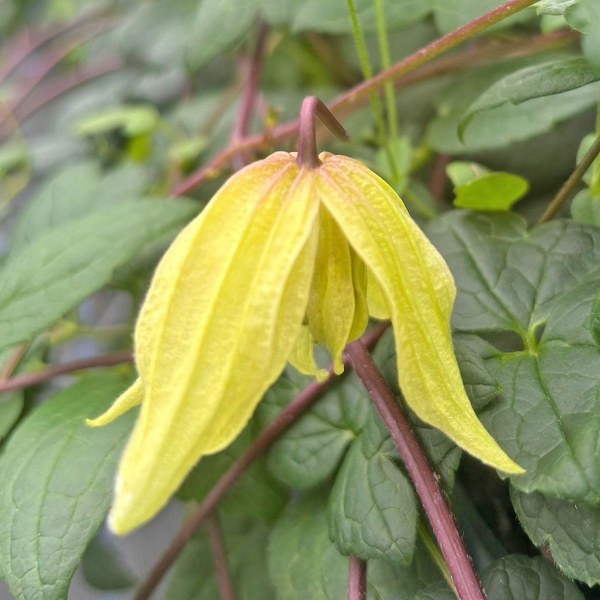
<point x="57" y="485"/>
<point x="134" y="97"/>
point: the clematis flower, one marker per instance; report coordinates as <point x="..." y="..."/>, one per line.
<point x="285" y="256"/>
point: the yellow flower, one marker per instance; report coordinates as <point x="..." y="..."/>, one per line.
<point x="282" y="257"/>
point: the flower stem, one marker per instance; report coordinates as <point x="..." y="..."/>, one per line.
<point x="571" y="183"/>
<point x="423" y="478"/>
<point x="289" y="415"/>
<point x="312" y="107"/>
<point x="23" y="381"/>
<point x="215" y="538"/>
<point x="357" y="578"/>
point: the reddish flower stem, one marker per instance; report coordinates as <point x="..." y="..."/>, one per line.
<point x="23" y="381"/>
<point x="286" y="418"/>
<point x="312" y="107"/>
<point x="215" y="538"/>
<point x="248" y="101"/>
<point x="357" y="578"/>
<point x="425" y="482"/>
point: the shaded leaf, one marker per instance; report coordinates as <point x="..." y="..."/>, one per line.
<point x="571" y="530"/>
<point x="524" y="578"/>
<point x="193" y="575"/>
<point x="461" y="172"/>
<point x="311" y="450"/>
<point x="584" y="16"/>
<point x="537" y="81"/>
<point x="61" y="268"/>
<point x="553" y="7"/>
<point x="103" y="567"/>
<point x="57" y="477"/>
<point x="303" y="562"/>
<point x="372" y="506"/>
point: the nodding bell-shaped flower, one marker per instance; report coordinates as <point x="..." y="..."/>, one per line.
<point x="284" y="256"/>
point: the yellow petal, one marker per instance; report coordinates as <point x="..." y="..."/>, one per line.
<point x="420" y="291"/>
<point x="218" y="324"/>
<point x="131" y="397"/>
<point x="331" y="305"/>
<point x="361" y="309"/>
<point x="376" y="299"/>
<point x="302" y="357"/>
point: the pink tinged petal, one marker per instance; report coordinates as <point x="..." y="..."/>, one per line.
<point x="419" y="293"/>
<point x="219" y="322"/>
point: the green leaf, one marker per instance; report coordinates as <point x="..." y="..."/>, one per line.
<point x="219" y="26"/>
<point x="63" y="267"/>
<point x="57" y="478"/>
<point x="553" y="7"/>
<point x="372" y="506"/>
<point x="493" y="192"/>
<point x="507" y="123"/>
<point x="547" y="416"/>
<point x="569" y="529"/>
<point x="537" y="81"/>
<point x="311" y="450"/>
<point x="331" y="16"/>
<point x="584" y="16"/>
<point x="74" y="192"/>
<point x="595" y="319"/>
<point x="303" y="562"/>
<point x="11" y="407"/>
<point x="586" y="208"/>
<point x="131" y="120"/>
<point x="522" y="577"/>
<point x="515" y="577"/>
<point x="193" y="575"/>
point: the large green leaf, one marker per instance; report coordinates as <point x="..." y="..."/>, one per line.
<point x="571" y="530"/>
<point x="372" y="506"/>
<point x="74" y="192"/>
<point x="524" y="578"/>
<point x="584" y="16"/>
<point x="193" y="575"/>
<point x="547" y="416"/>
<point x="331" y="16"/>
<point x="57" y="478"/>
<point x="505" y="124"/>
<point x="537" y="81"/>
<point x="303" y="562"/>
<point x="515" y="577"/>
<point x="311" y="450"/>
<point x="53" y="274"/>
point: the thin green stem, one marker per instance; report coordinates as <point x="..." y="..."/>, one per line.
<point x="571" y="183"/>
<point x="384" y="52"/>
<point x="435" y="554"/>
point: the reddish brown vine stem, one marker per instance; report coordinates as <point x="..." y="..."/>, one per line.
<point x="107" y="360"/>
<point x="357" y="578"/>
<point x="213" y="529"/>
<point x="425" y="482"/>
<point x="289" y="415"/>
<point x="359" y="94"/>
